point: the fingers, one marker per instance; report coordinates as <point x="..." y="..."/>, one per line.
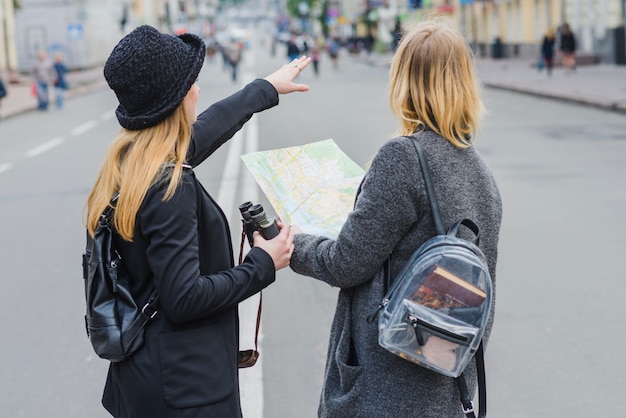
<point x="297" y="65"/>
<point x="280" y="248"/>
<point x="289" y="234"/>
<point x="301" y="63"/>
<point x="257" y="237"/>
<point x="298" y="88"/>
<point x="289" y="244"/>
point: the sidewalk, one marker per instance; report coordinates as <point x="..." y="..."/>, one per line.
<point x="601" y="85"/>
<point x="19" y="98"/>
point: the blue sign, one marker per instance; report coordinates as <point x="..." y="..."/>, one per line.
<point x="75" y="31"/>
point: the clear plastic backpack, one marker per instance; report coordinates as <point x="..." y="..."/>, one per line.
<point x="436" y="311"/>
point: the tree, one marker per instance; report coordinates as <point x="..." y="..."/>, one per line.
<point x="293" y="6"/>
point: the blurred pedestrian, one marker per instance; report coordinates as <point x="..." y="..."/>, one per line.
<point x="547" y="50"/>
<point x="396" y="35"/>
<point x="333" y="51"/>
<point x="293" y="50"/>
<point x="233" y="52"/>
<point x="435" y="95"/>
<point x="315" y="57"/>
<point x="44" y="76"/>
<point x="211" y="50"/>
<point x="171" y="234"/>
<point x="567" y="46"/>
<point x="3" y="90"/>
<point x="60" y="86"/>
<point x="221" y="48"/>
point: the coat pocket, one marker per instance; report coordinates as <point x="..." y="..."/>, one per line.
<point x="194" y="368"/>
<point x="342" y="388"/>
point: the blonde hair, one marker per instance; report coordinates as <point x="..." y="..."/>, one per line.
<point x="134" y="162"/>
<point x="433" y="83"/>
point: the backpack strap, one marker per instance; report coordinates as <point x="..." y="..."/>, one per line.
<point x="469" y="224"/>
<point x="430" y="189"/>
<point x="432" y="198"/>
<point x="466" y="399"/>
<point x="149" y="310"/>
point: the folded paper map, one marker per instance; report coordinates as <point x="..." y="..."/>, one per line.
<point x="312" y="186"/>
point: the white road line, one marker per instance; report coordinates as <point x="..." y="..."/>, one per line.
<point x="46" y="146"/>
<point x="251" y="381"/>
<point x="5" y="167"/>
<point x="108" y="115"/>
<point x="228" y="185"/>
<point x="81" y="129"/>
<point x="249" y="189"/>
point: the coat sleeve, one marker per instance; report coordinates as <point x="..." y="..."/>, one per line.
<point x="220" y="121"/>
<point x="385" y="210"/>
<point x="171" y="231"/>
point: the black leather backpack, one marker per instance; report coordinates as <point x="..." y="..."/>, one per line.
<point x="114" y="321"/>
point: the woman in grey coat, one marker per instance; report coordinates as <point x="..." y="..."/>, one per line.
<point x="435" y="95"/>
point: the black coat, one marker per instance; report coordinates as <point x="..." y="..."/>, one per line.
<point x="547" y="48"/>
<point x="568" y="43"/>
<point x="188" y="363"/>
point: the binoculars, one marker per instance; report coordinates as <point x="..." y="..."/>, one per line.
<point x="255" y="219"/>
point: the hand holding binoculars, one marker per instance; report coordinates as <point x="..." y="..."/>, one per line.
<point x="255" y="219"/>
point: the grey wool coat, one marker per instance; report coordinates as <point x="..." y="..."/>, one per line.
<point x="392" y="216"/>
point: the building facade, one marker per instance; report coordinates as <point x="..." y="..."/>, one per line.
<point x="515" y="27"/>
<point x="518" y="26"/>
<point x="8" y="51"/>
<point x="85" y="31"/>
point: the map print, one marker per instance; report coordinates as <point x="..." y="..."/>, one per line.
<point x="312" y="186"/>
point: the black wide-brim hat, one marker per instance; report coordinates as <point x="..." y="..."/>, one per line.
<point x="151" y="73"/>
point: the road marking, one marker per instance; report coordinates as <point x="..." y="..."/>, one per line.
<point x="249" y="189"/>
<point x="250" y="379"/>
<point x="5" y="167"/>
<point x="108" y="115"/>
<point x="228" y="184"/>
<point x="81" y="129"/>
<point x="46" y="146"/>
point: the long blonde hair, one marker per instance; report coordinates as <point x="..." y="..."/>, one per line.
<point x="134" y="162"/>
<point x="433" y="83"/>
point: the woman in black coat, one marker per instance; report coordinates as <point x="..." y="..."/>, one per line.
<point x="547" y="50"/>
<point x="172" y="235"/>
<point x="568" y="48"/>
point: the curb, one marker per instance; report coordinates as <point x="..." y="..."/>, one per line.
<point x="619" y="107"/>
<point x="563" y="96"/>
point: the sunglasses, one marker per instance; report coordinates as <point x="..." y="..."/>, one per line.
<point x="247" y="358"/>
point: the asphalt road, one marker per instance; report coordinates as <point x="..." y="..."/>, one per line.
<point x="556" y="346"/>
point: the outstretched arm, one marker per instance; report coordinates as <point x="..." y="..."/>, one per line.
<point x="220" y="121"/>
